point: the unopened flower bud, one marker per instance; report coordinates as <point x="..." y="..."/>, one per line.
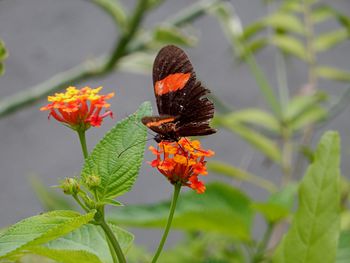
<point x="70" y="186"/>
<point x="93" y="181"/>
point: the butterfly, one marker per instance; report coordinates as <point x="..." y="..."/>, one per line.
<point x="184" y="109"/>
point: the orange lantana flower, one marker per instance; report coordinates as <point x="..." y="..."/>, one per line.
<point x="182" y="162"/>
<point x="79" y="109"/>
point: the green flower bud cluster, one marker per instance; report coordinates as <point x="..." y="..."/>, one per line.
<point x="93" y="181"/>
<point x="70" y="186"/>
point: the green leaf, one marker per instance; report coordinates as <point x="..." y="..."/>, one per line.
<point x="286" y="22"/>
<point x="313" y="236"/>
<point x="115" y="9"/>
<point x="290" y="45"/>
<point x="88" y="242"/>
<point x="314" y="115"/>
<point x="2" y="68"/>
<point x="292" y="6"/>
<point x="343" y="252"/>
<point x="154" y="3"/>
<point x="251" y="30"/>
<point x="40" y="229"/>
<point x="279" y="205"/>
<point x="239" y="174"/>
<point x="344" y="20"/>
<point x="329" y="40"/>
<point x="333" y="73"/>
<point x="172" y="35"/>
<point x="307" y="152"/>
<point x="117" y="158"/>
<point x="139" y="254"/>
<point x="110" y="202"/>
<point x="204" y="248"/>
<point x="301" y="104"/>
<point x="65" y="256"/>
<point x="257" y="117"/>
<point x="253" y="47"/>
<point x="3" y="56"/>
<point x="137" y="62"/>
<point x="3" y="51"/>
<point x="221" y="209"/>
<point x="220" y="105"/>
<point x="257" y="140"/>
<point x="32" y="259"/>
<point x="321" y="14"/>
<point x="325" y="12"/>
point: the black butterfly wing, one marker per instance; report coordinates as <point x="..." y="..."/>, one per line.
<point x="190" y="104"/>
<point x="171" y="60"/>
<point x="197" y="112"/>
<point x="160" y="124"/>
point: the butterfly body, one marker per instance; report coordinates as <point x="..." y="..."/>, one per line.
<point x="184" y="110"/>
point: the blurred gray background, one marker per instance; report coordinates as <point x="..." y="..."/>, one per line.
<point x="45" y="37"/>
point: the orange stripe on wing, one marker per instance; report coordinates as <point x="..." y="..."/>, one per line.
<point x="172" y="82"/>
<point x="160" y="122"/>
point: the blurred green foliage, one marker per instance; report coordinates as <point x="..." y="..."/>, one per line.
<point x="3" y="56"/>
<point x="218" y="225"/>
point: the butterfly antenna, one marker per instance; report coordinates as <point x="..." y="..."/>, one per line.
<point x="138" y="143"/>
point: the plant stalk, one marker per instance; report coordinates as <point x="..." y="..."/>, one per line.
<point x="312" y="79"/>
<point x="259" y="255"/>
<point x="76" y="198"/>
<point x="82" y="139"/>
<point x="310" y="35"/>
<point x="113" y="241"/>
<point x="133" y="26"/>
<point x="111" y="249"/>
<point x="287" y="155"/>
<point x="177" y="188"/>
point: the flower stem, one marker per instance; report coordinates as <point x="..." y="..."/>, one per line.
<point x="111" y="249"/>
<point x="76" y="198"/>
<point x="113" y="244"/>
<point x="82" y="139"/>
<point x="112" y="241"/>
<point x="177" y="188"/>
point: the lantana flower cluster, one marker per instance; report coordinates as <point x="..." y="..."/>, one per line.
<point x="182" y="162"/>
<point x="79" y="108"/>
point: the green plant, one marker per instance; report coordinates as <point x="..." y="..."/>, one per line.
<point x="306" y="214"/>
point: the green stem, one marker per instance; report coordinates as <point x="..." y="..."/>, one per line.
<point x="177" y="188"/>
<point x="76" y="198"/>
<point x="82" y="139"/>
<point x="259" y="255"/>
<point x="287" y="155"/>
<point x="282" y="80"/>
<point x="310" y="35"/>
<point x="112" y="239"/>
<point x="234" y="33"/>
<point x="133" y="26"/>
<point x="312" y="78"/>
<point x="264" y="84"/>
<point x="111" y="249"/>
